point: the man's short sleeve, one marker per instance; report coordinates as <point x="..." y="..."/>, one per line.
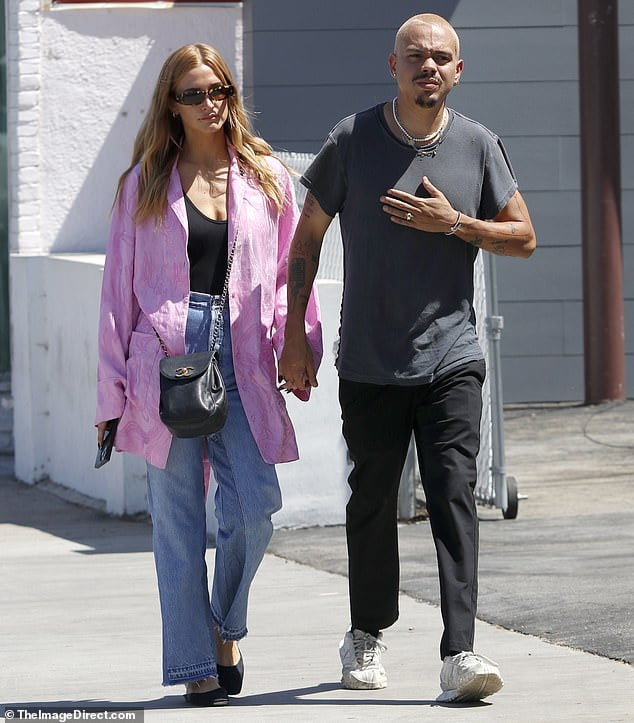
<point x="499" y="184"/>
<point x="325" y="177"/>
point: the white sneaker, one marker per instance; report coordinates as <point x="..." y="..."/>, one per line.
<point x="360" y="655"/>
<point x="468" y="677"/>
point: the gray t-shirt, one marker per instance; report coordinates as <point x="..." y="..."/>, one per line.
<point x="407" y="312"/>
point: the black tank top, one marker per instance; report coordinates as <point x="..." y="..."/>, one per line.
<point x="206" y="250"/>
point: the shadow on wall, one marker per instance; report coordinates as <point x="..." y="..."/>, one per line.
<point x="134" y="55"/>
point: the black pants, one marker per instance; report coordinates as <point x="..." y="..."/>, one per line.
<point x="378" y="422"/>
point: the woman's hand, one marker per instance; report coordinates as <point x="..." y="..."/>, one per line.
<point x="101" y="430"/>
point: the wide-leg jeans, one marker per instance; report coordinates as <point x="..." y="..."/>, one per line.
<point x="378" y="421"/>
<point x="247" y="494"/>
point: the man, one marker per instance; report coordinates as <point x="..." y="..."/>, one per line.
<point x="419" y="190"/>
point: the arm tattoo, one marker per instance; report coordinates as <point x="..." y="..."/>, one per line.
<point x="499" y="248"/>
<point x="309" y="206"/>
<point x="297" y="283"/>
<point x="302" y="245"/>
<point x="297" y="274"/>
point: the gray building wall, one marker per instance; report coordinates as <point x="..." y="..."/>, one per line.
<point x="309" y="64"/>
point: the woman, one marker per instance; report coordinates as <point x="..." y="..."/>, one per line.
<point x="200" y="181"/>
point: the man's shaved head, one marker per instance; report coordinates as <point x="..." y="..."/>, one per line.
<point x="426" y="19"/>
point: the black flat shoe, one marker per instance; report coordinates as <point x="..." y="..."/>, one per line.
<point x="208" y="698"/>
<point x="230" y="677"/>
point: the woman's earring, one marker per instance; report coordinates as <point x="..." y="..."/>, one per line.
<point x="174" y="114"/>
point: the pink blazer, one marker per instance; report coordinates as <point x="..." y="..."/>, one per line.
<point x="146" y="284"/>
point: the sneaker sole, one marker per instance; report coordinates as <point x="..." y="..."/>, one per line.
<point x="351" y="683"/>
<point x="479" y="687"/>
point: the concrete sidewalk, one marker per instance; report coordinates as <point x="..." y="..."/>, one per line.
<point x="80" y="627"/>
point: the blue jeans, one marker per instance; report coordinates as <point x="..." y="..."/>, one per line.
<point x="247" y="495"/>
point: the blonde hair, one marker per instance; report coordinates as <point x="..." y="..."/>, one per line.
<point x="160" y="136"/>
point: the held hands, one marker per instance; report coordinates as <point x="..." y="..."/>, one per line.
<point x="434" y="214"/>
<point x="296" y="367"/>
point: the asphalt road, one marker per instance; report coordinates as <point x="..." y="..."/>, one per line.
<point x="564" y="569"/>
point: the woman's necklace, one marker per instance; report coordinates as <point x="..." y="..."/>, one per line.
<point x="208" y="180"/>
<point x="427" y="140"/>
<point x="212" y="182"/>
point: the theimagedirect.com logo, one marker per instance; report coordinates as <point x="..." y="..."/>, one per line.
<point x="64" y="715"/>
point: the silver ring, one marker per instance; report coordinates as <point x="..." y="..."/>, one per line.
<point x="409" y="216"/>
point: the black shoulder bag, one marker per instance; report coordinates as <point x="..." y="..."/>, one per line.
<point x="193" y="395"/>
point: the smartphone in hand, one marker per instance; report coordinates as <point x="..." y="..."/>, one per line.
<point x="104" y="451"/>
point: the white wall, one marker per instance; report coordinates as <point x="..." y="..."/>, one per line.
<point x="79" y="81"/>
<point x="54" y="433"/>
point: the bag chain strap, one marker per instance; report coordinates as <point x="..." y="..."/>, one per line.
<point x="223" y="299"/>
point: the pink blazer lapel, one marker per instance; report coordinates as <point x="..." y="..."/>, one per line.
<point x="238" y="187"/>
<point x="176" y="199"/>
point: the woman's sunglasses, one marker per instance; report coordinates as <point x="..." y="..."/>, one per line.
<point x="195" y="96"/>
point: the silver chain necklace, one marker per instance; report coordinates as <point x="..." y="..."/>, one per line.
<point x="428" y="139"/>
